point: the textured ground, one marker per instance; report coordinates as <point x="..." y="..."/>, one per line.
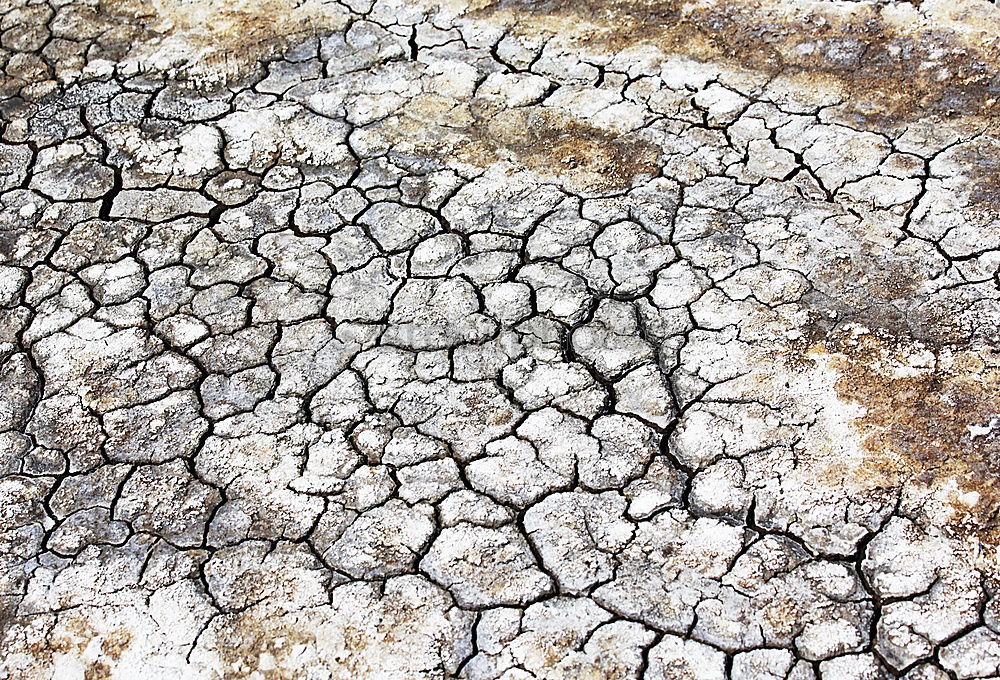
<point x="524" y="340"/>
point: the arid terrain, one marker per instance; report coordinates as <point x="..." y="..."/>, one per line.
<point x="407" y="340"/>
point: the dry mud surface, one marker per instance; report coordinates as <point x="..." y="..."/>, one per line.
<point x="372" y="339"/>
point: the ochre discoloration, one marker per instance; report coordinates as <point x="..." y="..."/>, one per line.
<point x="783" y="614"/>
<point x="267" y="647"/>
<point x="75" y="637"/>
<point x="551" y="142"/>
<point x="926" y="420"/>
<point x="97" y="671"/>
<point x="115" y="644"/>
<point x="217" y="40"/>
<point x="980" y="162"/>
<point x="880" y="61"/>
<point x="555" y="144"/>
<point x="254" y="644"/>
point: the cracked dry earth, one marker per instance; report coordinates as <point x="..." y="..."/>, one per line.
<point x="447" y="338"/>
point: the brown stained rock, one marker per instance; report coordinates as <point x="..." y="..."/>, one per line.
<point x="557" y="145"/>
<point x="364" y="339"/>
<point x="931" y="417"/>
<point x="857" y="55"/>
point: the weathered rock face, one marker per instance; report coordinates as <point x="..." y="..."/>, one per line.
<point x="440" y="339"/>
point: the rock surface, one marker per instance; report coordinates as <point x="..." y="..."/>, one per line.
<point x="499" y="340"/>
